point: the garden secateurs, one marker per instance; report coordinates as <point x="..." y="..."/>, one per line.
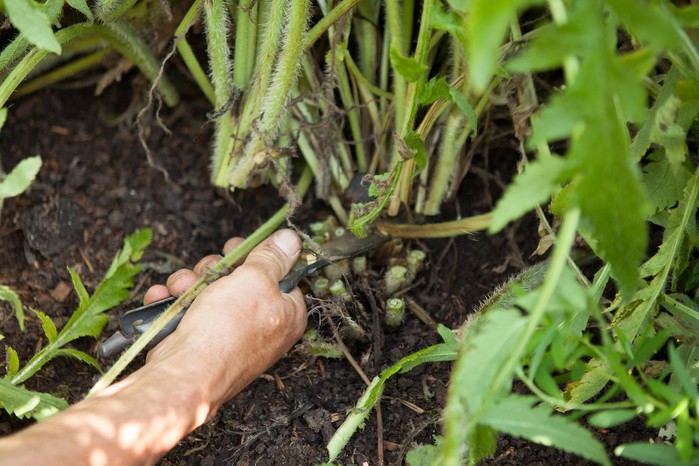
<point x="136" y="321"/>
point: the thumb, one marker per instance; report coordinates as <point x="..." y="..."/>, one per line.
<point x="276" y="255"/>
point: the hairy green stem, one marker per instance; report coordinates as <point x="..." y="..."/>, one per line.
<point x="277" y="95"/>
<point x="111" y="10"/>
<point x="220" y="269"/>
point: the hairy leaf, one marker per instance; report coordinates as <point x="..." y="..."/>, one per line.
<point x="23" y="403"/>
<point x="9" y="295"/>
<point x="516" y="416"/>
<point x="29" y="18"/>
<point x="19" y="179"/>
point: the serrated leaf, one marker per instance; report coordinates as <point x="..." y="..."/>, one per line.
<point x="442" y="352"/>
<point x="9" y="295"/>
<point x="19" y="179"/>
<point x="82" y="356"/>
<point x="435" y="89"/>
<point x="24" y="403"/>
<point x="648" y="21"/>
<point x="651" y="453"/>
<point x="529" y="189"/>
<point x="12" y="365"/>
<point x="664" y="182"/>
<point x="48" y="325"/>
<point x="450" y="22"/>
<point x="30" y="19"/>
<point x="89" y="319"/>
<point x="488" y="23"/>
<point x="611" y="417"/>
<point x="81" y="6"/>
<point x="363" y="214"/>
<point x="516" y="416"/>
<point x="407" y="67"/>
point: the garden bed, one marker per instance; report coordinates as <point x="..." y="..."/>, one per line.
<point x="96" y="186"/>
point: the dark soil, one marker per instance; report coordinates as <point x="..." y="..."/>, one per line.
<point x="96" y="186"/>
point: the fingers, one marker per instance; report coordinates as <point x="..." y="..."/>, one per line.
<point x="206" y="263"/>
<point x="156" y="293"/>
<point x="275" y="256"/>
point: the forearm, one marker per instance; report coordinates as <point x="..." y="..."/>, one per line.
<point x="133" y="422"/>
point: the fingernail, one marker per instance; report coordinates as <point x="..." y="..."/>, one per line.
<point x="287" y="241"/>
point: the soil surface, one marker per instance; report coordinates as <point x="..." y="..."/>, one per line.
<point x="96" y="186"/>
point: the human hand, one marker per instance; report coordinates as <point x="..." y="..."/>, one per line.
<point x="240" y="324"/>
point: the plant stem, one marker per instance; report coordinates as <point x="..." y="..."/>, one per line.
<point x="62" y="72"/>
<point x="319" y="29"/>
<point x="183" y="301"/>
<point x="245" y="43"/>
<point x="185" y="50"/>
<point x="402" y="193"/>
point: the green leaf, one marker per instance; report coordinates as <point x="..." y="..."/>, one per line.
<point x="611" y="417"/>
<point x="82" y="356"/>
<point x="648" y="21"/>
<point x="668" y="133"/>
<point x="424" y="455"/>
<point x="442" y="352"/>
<point x="24" y="403"/>
<point x="48" y="326"/>
<point x="651" y="453"/>
<point x="664" y="181"/>
<point x="407" y="67"/>
<point x="450" y="22"/>
<point x="7" y="294"/>
<point x="81" y="6"/>
<point x="417" y="146"/>
<point x="435" y="89"/>
<point x="466" y="108"/>
<point x="89" y="318"/>
<point x="683" y="375"/>
<point x="30" y="19"/>
<point x="19" y="179"/>
<point x="488" y="21"/>
<point x="516" y="416"/>
<point x="531" y="188"/>
<point x="12" y="365"/>
<point x="3" y="117"/>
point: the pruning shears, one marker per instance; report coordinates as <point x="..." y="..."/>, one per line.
<point x="135" y="322"/>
